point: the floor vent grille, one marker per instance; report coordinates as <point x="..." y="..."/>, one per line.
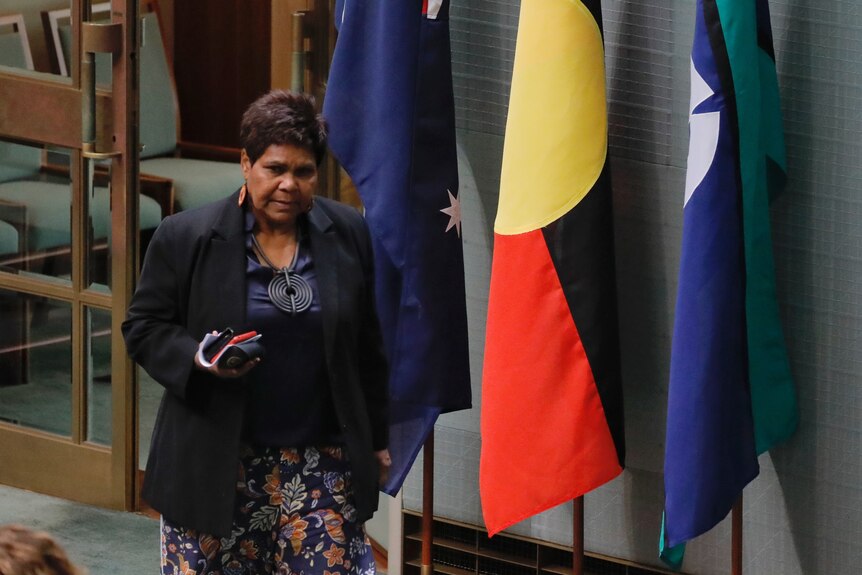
<point x="462" y="549"/>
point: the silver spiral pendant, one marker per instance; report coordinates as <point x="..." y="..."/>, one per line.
<point x="290" y="292"/>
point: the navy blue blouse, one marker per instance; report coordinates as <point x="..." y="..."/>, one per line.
<point x="291" y="403"/>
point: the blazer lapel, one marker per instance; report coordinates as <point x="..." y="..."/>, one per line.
<point x="324" y="250"/>
<point x="228" y="280"/>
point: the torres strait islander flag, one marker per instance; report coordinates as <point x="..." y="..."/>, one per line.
<point x="552" y="418"/>
<point x="391" y="112"/>
<point x="731" y="395"/>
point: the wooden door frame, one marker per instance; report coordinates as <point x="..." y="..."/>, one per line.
<point x="42" y="111"/>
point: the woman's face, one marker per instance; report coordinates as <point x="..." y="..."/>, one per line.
<point x="281" y="184"/>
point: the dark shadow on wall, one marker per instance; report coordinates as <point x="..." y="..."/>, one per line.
<point x="647" y="194"/>
<point x="816" y="277"/>
<point x="646" y="227"/>
<point x="796" y="461"/>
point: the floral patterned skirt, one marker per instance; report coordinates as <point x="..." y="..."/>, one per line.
<point x="294" y="516"/>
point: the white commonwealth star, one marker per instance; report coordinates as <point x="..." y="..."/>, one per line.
<point x="454" y="213"/>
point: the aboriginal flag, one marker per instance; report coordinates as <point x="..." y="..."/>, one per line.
<point x="552" y="418"/>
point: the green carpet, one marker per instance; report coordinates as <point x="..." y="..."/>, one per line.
<point x="103" y="542"/>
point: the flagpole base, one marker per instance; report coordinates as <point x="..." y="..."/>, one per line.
<point x="427" y="570"/>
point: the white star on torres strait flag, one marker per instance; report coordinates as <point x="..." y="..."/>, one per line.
<point x="454" y="213"/>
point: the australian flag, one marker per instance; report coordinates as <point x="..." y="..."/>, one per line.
<point x="390" y="107"/>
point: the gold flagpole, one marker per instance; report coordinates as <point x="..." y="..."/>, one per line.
<point x="736" y="537"/>
<point x="578" y="536"/>
<point x="428" y="504"/>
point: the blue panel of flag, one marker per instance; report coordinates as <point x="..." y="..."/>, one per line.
<point x="390" y="107"/>
<point x="709" y="452"/>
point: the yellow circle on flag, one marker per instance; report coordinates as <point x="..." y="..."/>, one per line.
<point x="557" y="129"/>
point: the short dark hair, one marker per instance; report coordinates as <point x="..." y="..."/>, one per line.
<point x="282" y="117"/>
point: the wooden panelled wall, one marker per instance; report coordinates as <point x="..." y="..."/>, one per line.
<point x="221" y="63"/>
<point x="226" y="57"/>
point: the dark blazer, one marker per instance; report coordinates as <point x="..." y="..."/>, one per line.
<point x="193" y="282"/>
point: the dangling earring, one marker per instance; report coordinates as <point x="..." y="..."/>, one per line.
<point x="242" y="194"/>
<point x="310" y="205"/>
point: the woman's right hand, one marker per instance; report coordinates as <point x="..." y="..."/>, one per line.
<point x="223" y="372"/>
<point x="228" y="373"/>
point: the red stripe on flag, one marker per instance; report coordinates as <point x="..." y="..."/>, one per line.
<point x="545" y="437"/>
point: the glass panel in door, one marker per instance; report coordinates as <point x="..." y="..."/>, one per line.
<point x="68" y="247"/>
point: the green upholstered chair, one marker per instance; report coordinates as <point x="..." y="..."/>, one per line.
<point x="48" y="202"/>
<point x="195" y="182"/>
<point x="49" y="217"/>
<point x="10" y="240"/>
<point x="20" y="163"/>
<point x="14" y="360"/>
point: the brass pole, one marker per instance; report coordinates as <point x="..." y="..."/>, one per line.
<point x="428" y="505"/>
<point x="578" y="536"/>
<point x="736" y="537"/>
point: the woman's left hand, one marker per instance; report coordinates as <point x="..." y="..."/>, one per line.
<point x="385" y="463"/>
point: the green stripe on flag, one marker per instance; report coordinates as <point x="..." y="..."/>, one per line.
<point x="773" y="394"/>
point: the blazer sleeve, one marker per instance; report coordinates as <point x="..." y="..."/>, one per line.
<point x="154" y="330"/>
<point x="373" y="366"/>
